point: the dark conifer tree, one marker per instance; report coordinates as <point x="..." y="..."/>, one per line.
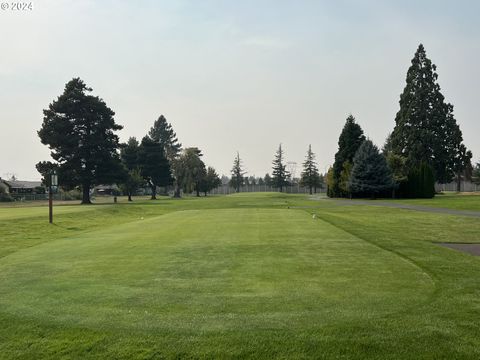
<point x="80" y="130"/>
<point x="154" y="165"/>
<point x="45" y="168"/>
<point x="129" y="153"/>
<point x="279" y="173"/>
<point x="349" y="141"/>
<point x="210" y="181"/>
<point x="237" y="172"/>
<point x="133" y="179"/>
<point x="425" y="128"/>
<point x="162" y="132"/>
<point x="310" y="176"/>
<point x="370" y="175"/>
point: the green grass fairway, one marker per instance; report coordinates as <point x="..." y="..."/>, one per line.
<point x="241" y="276"/>
<point x="465" y="201"/>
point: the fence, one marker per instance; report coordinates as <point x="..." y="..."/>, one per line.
<point x="465" y="186"/>
<point x="34" y="197"/>
<point x="291" y="189"/>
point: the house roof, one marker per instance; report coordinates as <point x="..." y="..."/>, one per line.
<point x="19" y="184"/>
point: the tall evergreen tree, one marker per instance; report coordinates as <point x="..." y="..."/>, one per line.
<point x="349" y="141"/>
<point x="154" y="165"/>
<point x="80" y="130"/>
<point x="279" y="173"/>
<point x="162" y="132"/>
<point x="310" y="176"/>
<point x="129" y="153"/>
<point x="237" y="172"/>
<point x="133" y="179"/>
<point x="370" y="174"/>
<point x="425" y="128"/>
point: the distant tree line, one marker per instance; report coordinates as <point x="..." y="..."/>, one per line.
<point x="425" y="146"/>
<point x="80" y="130"/>
<point x="280" y="177"/>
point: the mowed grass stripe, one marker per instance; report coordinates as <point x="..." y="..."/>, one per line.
<point x="210" y="270"/>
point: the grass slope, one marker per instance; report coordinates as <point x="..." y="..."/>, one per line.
<point x="243" y="276"/>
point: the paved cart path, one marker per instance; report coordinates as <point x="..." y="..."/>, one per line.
<point x="392" y="204"/>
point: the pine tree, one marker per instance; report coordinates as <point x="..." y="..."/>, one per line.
<point x="45" y="168"/>
<point x="370" y="174"/>
<point x="162" y="132"/>
<point x="237" y="172"/>
<point x="348" y="143"/>
<point x="310" y="175"/>
<point x="154" y="165"/>
<point x="129" y="154"/>
<point x="279" y="172"/>
<point x="80" y="128"/>
<point x="425" y="128"/>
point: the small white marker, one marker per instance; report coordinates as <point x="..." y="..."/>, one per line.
<point x="314" y="216"/>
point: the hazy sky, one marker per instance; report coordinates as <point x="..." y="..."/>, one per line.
<point x="234" y="75"/>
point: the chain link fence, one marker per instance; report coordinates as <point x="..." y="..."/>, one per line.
<point x="291" y="189"/>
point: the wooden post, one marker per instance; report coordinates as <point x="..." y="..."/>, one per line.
<point x="50" y="204"/>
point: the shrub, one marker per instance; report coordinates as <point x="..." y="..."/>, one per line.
<point x="420" y="183"/>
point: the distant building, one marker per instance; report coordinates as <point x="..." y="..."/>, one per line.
<point x="23" y="187"/>
<point x="106" y="190"/>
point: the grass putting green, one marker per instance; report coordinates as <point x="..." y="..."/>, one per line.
<point x="242" y="276"/>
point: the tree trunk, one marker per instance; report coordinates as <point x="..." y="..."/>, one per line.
<point x="205" y="193"/>
<point x="86" y="194"/>
<point x="154" y="191"/>
<point x="198" y="193"/>
<point x="311" y="192"/>
<point x="177" y="191"/>
<point x="459" y="183"/>
<point x="129" y="196"/>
